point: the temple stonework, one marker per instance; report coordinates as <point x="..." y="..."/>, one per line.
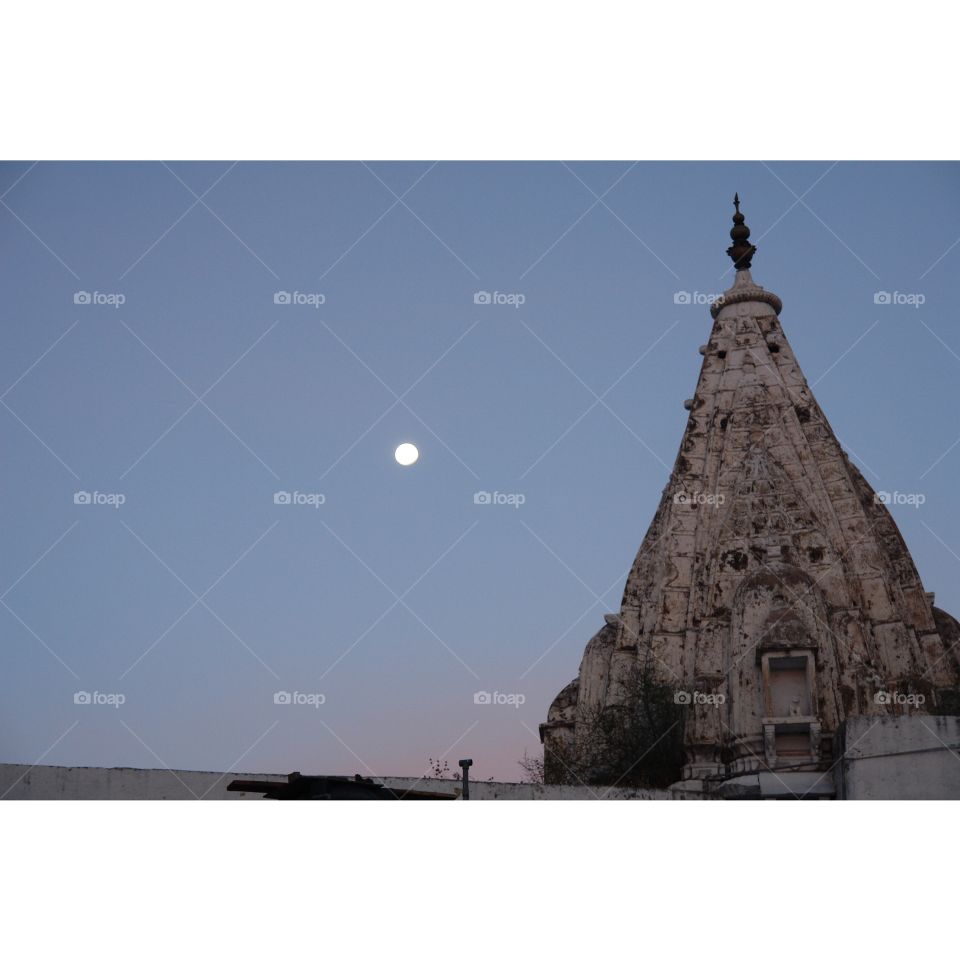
<point x="773" y="591"/>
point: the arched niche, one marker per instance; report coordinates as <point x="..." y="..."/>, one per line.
<point x="778" y="631"/>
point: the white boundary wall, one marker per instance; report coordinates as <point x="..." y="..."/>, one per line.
<point x="22" y="782"/>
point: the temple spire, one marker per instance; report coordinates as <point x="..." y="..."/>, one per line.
<point x="741" y="251"/>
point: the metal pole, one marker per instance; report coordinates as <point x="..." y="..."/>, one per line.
<point x="465" y="766"/>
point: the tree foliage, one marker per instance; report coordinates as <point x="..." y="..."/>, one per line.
<point x="635" y="742"/>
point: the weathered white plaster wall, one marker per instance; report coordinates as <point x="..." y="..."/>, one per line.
<point x="21" y="782"/>
<point x="901" y="758"/>
<point x="487" y="790"/>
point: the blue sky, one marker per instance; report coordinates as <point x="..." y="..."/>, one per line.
<point x="397" y="599"/>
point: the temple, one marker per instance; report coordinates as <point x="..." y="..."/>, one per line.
<point x="772" y="594"/>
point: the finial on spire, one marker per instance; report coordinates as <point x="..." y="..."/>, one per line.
<point x="741" y="251"/>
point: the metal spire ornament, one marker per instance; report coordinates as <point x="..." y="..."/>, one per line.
<point x="741" y="251"/>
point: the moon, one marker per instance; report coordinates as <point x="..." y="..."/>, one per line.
<point x="406" y="454"/>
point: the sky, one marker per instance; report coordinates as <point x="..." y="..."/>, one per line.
<point x="181" y="399"/>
